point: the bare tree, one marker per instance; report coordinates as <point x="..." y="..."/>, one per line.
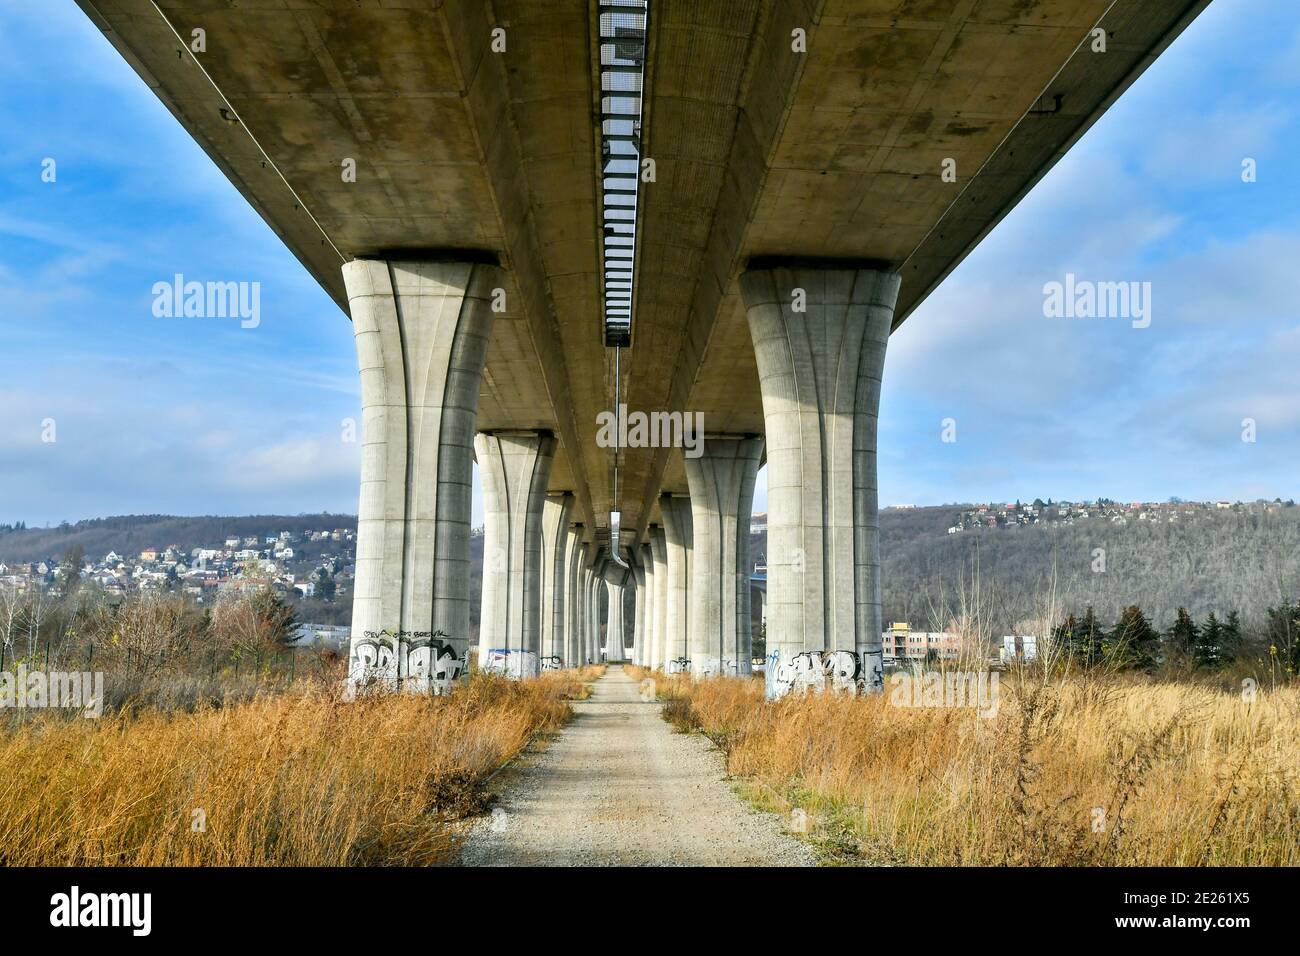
<point x="146" y="632"/>
<point x="258" y="625"/>
<point x="12" y="602"/>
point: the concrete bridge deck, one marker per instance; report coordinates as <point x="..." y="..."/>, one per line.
<point x="810" y="171"/>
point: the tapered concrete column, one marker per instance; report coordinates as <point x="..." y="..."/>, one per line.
<point x="659" y="598"/>
<point x="819" y="340"/>
<point x="583" y="605"/>
<point x="572" y="607"/>
<point x="676" y="511"/>
<point x="594" y="637"/>
<point x="639" y="622"/>
<point x="598" y="633"/>
<point x="722" y="495"/>
<point x="615" y="649"/>
<point x="515" y="467"/>
<point x="421" y="331"/>
<point x="648" y="592"/>
<point x="555" y="533"/>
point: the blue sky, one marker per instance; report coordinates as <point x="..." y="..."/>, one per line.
<point x="199" y="416"/>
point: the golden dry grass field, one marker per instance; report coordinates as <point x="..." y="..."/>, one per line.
<point x="300" y="778"/>
<point x="1070" y="771"/>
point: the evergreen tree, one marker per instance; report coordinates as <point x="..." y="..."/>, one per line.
<point x="1183" y="635"/>
<point x="1209" y="643"/>
<point x="1064" y="637"/>
<point x="1134" y="643"/>
<point x="1230" y="646"/>
<point x="1088" y="640"/>
<point x="325" y="586"/>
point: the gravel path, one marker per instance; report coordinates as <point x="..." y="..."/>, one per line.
<point x="618" y="787"/>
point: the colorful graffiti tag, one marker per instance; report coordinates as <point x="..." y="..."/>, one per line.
<point x="819" y="671"/>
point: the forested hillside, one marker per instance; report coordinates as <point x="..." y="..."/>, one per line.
<point x="129" y="534"/>
<point x="1212" y="561"/>
<point x="1208" y="561"/>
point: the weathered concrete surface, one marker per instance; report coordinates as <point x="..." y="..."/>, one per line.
<point x="421" y="333"/>
<point x="639" y="623"/>
<point x="659" y="598"/>
<point x="837" y="152"/>
<point x="647" y="596"/>
<point x="676" y="511"/>
<point x="618" y="787"/>
<point x="722" y="497"/>
<point x="572" y="606"/>
<point x="555" y="547"/>
<point x="515" y="467"/>
<point x="615" y="651"/>
<point x="819" y="336"/>
<point x="581" y="606"/>
<point x="594" y="618"/>
<point x="761" y="150"/>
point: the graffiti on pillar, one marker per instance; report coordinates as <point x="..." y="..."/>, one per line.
<point x="418" y="661"/>
<point x="373" y="656"/>
<point x="771" y="688"/>
<point x="872" y="670"/>
<point x="841" y="671"/>
<point x="818" y="671"/>
<point x="433" y="660"/>
<point x="680" y="665"/>
<point x="803" y="673"/>
<point x="552" y="663"/>
<point x="714" y="667"/>
<point x="509" y="662"/>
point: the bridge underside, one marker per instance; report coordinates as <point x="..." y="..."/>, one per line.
<point x="801" y="140"/>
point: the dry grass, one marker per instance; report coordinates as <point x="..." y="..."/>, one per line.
<point x="300" y="779"/>
<point x="574" y="684"/>
<point x="1071" y="772"/>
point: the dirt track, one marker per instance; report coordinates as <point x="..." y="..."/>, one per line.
<point x="618" y="787"/>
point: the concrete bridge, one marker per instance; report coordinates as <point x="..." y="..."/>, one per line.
<point x="550" y="220"/>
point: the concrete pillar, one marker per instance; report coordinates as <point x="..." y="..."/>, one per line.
<point x="515" y="467"/>
<point x="421" y="332"/>
<point x="601" y="616"/>
<point x="722" y="496"/>
<point x="583" y="607"/>
<point x="819" y="341"/>
<point x="676" y="511"/>
<point x="648" y="564"/>
<point x="659" y="599"/>
<point x="572" y="606"/>
<point x="555" y="533"/>
<point x="594" y="637"/>
<point x="639" y="574"/>
<point x="615" y="650"/>
<point x="585" y="598"/>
